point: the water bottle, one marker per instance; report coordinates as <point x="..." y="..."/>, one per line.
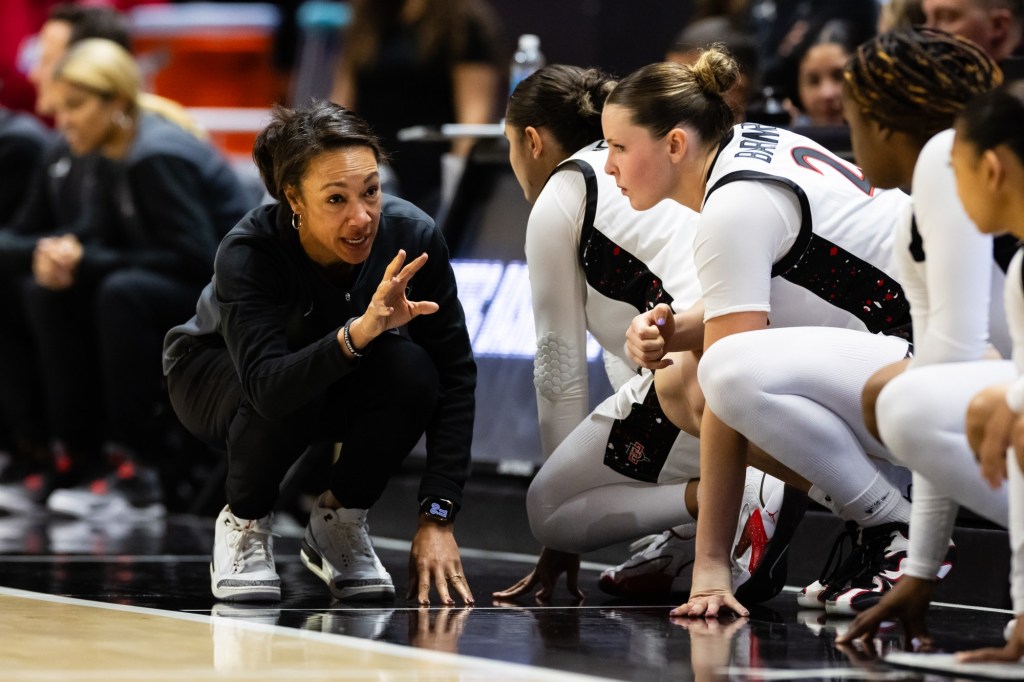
<point x="527" y="59"/>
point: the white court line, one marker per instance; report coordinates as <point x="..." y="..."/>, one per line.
<point x="816" y="674"/>
<point x="464" y="664"/>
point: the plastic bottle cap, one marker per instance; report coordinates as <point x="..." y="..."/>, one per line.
<point x="529" y="42"/>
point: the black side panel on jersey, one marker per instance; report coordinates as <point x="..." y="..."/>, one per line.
<point x="609" y="268"/>
<point x="1003" y="248"/>
<point x="638" y="446"/>
<point x="832" y="273"/>
<point x="916" y="242"/>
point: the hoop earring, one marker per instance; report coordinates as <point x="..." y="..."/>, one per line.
<point x="121" y="120"/>
<point x="296" y="221"/>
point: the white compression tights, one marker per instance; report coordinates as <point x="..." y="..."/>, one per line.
<point x="1016" y="485"/>
<point x="796" y="393"/>
<point x="577" y="504"/>
<point x="921" y="417"/>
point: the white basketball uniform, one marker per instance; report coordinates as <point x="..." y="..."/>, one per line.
<point x="594" y="264"/>
<point x="792" y="230"/>
<point x="1014" y="298"/>
<point x="954" y="278"/>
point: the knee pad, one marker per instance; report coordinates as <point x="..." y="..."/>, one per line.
<point x="553" y="365"/>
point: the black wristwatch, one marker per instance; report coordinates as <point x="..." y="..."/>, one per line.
<point x="438" y="509"/>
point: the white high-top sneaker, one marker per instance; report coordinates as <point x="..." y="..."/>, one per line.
<point x="243" y="559"/>
<point x="338" y="550"/>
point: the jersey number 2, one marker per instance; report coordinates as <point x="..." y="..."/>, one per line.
<point x="803" y="156"/>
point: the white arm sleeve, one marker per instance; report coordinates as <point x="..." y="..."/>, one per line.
<point x="559" y="292"/>
<point x="745" y="227"/>
<point x="958" y="264"/>
<point x="1013" y="299"/>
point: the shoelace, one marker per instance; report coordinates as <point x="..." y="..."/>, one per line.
<point x="836" y="565"/>
<point x="874" y="541"/>
<point x="248" y="542"/>
<point x="644" y="543"/>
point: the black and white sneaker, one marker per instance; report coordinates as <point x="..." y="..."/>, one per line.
<point x="338" y="550"/>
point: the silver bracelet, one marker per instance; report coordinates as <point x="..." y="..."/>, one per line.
<point x="348" y="339"/>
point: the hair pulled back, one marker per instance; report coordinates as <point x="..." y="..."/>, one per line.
<point x="567" y="100"/>
<point x="917" y="79"/>
<point x="662" y="96"/>
<point x="108" y="70"/>
<point x="994" y="118"/>
<point x="294" y="137"/>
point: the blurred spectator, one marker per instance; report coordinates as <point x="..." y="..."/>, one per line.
<point x="23" y="140"/>
<point x="58" y="198"/>
<point x="738" y="40"/>
<point x="785" y="25"/>
<point x="21" y="20"/>
<point x="896" y="14"/>
<point x="996" y="25"/>
<point x="420" y="62"/>
<point x="66" y="25"/>
<point x="100" y="300"/>
<point x="815" y="83"/>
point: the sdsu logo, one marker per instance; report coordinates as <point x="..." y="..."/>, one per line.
<point x="636" y="454"/>
<point x="438" y="510"/>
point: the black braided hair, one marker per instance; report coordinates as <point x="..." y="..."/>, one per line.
<point x="916" y="80"/>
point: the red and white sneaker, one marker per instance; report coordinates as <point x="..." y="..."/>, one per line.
<point x="874" y="566"/>
<point x="769" y="515"/>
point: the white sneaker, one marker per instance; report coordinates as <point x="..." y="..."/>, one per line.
<point x="243" y="560"/>
<point x="338" y="550"/>
<point x="660" y="565"/>
<point x="131" y="491"/>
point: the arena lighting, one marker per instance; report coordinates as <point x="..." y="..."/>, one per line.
<point x="496" y="297"/>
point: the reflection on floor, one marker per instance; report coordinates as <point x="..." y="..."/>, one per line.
<point x="164" y="567"/>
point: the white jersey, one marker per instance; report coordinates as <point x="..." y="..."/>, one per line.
<point x="1014" y="299"/>
<point x="952" y="274"/>
<point x="790" y="229"/>
<point x="594" y="264"/>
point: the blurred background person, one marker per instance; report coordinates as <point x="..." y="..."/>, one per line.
<point x="100" y="301"/>
<point x="900" y="14"/>
<point x="57" y="198"/>
<point x="420" y="62"/>
<point x="730" y="32"/>
<point x="814" y="81"/>
<point x="996" y="25"/>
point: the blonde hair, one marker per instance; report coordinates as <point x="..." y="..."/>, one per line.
<point x="107" y="69"/>
<point x="661" y="96"/>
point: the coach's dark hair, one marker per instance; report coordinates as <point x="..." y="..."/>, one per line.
<point x="567" y="100"/>
<point x="662" y="96"/>
<point x="294" y="137"/>
<point x="93" y="22"/>
<point x="994" y="118"/>
<point x="916" y="80"/>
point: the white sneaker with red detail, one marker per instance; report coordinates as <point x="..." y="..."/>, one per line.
<point x="873" y="567"/>
<point x="243" y="559"/>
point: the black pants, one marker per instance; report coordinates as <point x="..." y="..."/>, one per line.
<point x="378" y="412"/>
<point x="22" y="413"/>
<point x="99" y="349"/>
